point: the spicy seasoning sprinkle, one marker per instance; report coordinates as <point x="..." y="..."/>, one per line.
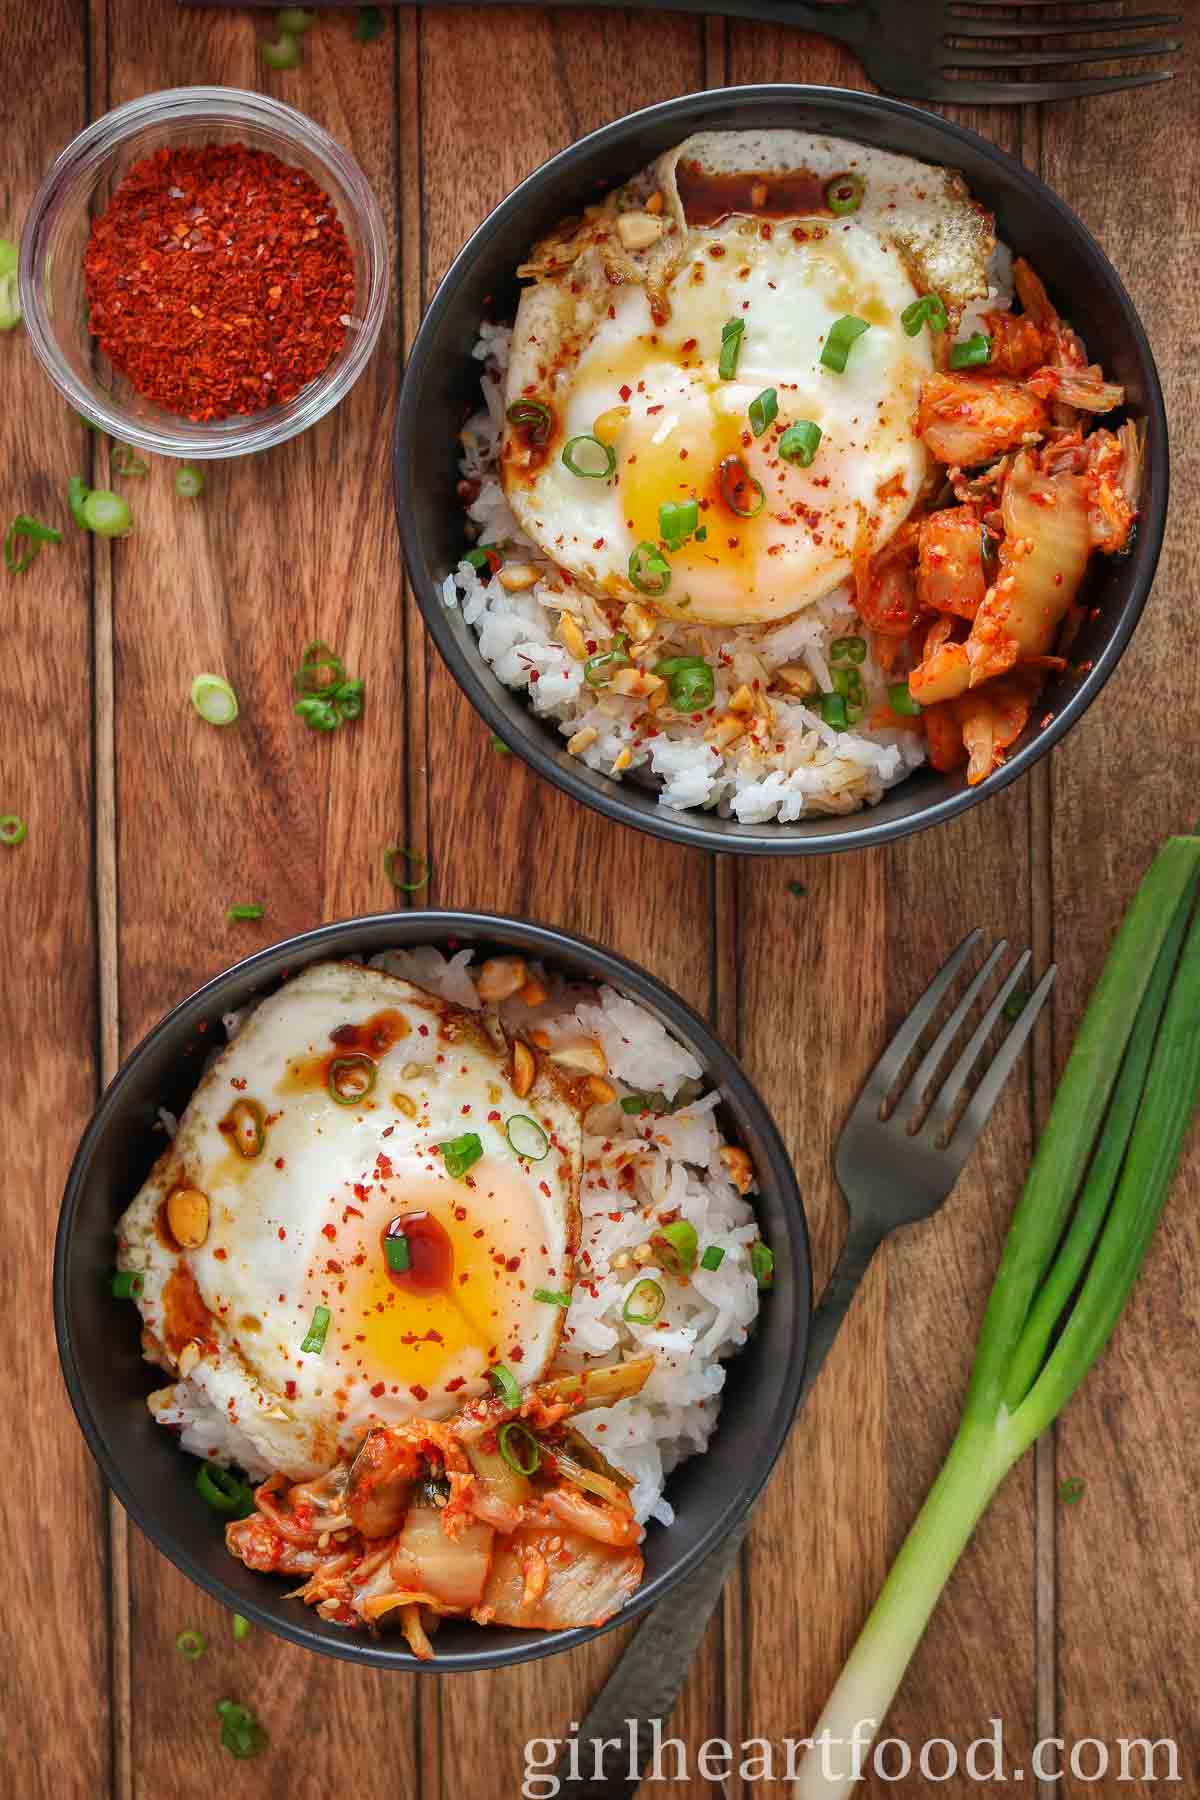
<point x="219" y="280"/>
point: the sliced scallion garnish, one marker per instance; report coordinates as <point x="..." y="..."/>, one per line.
<point x="799" y="443"/>
<point x="732" y="334"/>
<point x="740" y="491"/>
<point x="282" y="52"/>
<point x="532" y="419"/>
<point x="764" y="410"/>
<point x="396" y="1252"/>
<point x="713" y="1257"/>
<point x="677" y="1245"/>
<point x="214" y="700"/>
<point x="126" y="461"/>
<point x="236" y="914"/>
<point x="585" y="455"/>
<point x="350" y="1079"/>
<point x="31" y="531"/>
<point x="848" y="649"/>
<point x="105" y="514"/>
<point x="690" y="682"/>
<point x="526" y="1137"/>
<point x="844" y="194"/>
<point x="190" y="1644"/>
<point x="901" y="701"/>
<point x="513" y="1438"/>
<point x="505" y="1384"/>
<point x="928" y="310"/>
<point x="597" y="669"/>
<point x="762" y="1263"/>
<point x="972" y="353"/>
<point x="241" y="1628"/>
<point x="314" y="1337"/>
<point x="395" y="854"/>
<point x="842" y="334"/>
<point x="649" y="570"/>
<point x="461" y="1153"/>
<point x="552" y="1297"/>
<point x="224" y="1491"/>
<point x="640" y="1103"/>
<point x="677" y="520"/>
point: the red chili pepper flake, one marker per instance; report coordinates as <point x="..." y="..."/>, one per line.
<point x="289" y="1388"/>
<point x="378" y="1390"/>
<point x="453" y="1386"/>
<point x="218" y="279"/>
<point x="625" y="392"/>
<point x="329" y="1231"/>
<point x="419" y="1393"/>
<point x="220" y="1255"/>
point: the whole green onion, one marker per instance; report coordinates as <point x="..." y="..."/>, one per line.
<point x="972" y="352"/>
<point x="649" y="570"/>
<point x="764" y="410"/>
<point x="842" y="334"/>
<point x="799" y="443"/>
<point x="732" y="334"/>
<point x="928" y="310"/>
<point x="901" y="701"/>
<point x="505" y="1384"/>
<point x="690" y="682"/>
<point x="31" y="531"/>
<point x="190" y="1644"/>
<point x="461" y="1153"/>
<point x="224" y="1491"/>
<point x="214" y="700"/>
<point x="510" y="1439"/>
<point x="601" y="457"/>
<point x="189" y="481"/>
<point x="314" y="1338"/>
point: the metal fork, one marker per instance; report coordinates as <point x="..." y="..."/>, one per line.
<point x="896" y="1164"/>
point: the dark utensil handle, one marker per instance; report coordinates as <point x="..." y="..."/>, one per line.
<point x="645" y="1684"/>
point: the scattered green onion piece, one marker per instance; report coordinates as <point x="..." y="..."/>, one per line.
<point x="677" y="1244"/>
<point x="649" y="570"/>
<point x="283" y="53"/>
<point x="928" y="310"/>
<point x="690" y="681"/>
<point x="532" y="419"/>
<point x="241" y="1733"/>
<point x="224" y="1491"/>
<point x="764" y="410"/>
<point x="850" y="685"/>
<point x="241" y="1628"/>
<point x="643" y="1303"/>
<point x="189" y="481"/>
<point x="237" y="913"/>
<point x="833" y="711"/>
<point x="191" y="1645"/>
<point x="972" y="352"/>
<point x="415" y="860"/>
<point x="844" y="194"/>
<point x="397" y="1254"/>
<point x="318" y="715"/>
<point x="799" y="442"/>
<point x="484" y="556"/>
<point x="737" y="484"/>
<point x="901" y="701"/>
<point x="348" y="699"/>
<point x="514" y="1433"/>
<point x="106" y="514"/>
<point x="713" y="1257"/>
<point x="526" y="1137"/>
<point x="314" y="1337"/>
<point x="677" y="520"/>
<point x="1071" y="1490"/>
<point x="842" y="334"/>
<point x="321" y="670"/>
<point x="127" y="462"/>
<point x="350" y="1079"/>
<point x="128" y="1284"/>
<point x="597" y="669"/>
<point x="296" y="20"/>
<point x="369" y="24"/>
<point x="9" y="256"/>
<point x="77" y="493"/>
<point x="461" y="1153"/>
<point x="10" y="298"/>
<point x="762" y="1263"/>
<point x="1015" y="1005"/>
<point x="505" y="1383"/>
<point x="640" y="1103"/>
<point x="552" y="1297"/>
<point x="608" y="457"/>
<point x="732" y="334"/>
<point x="798" y="888"/>
<point x="849" y="649"/>
<point x="214" y="700"/>
<point x="33" y="532"/>
<point x="499" y="746"/>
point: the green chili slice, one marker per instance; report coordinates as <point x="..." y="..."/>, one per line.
<point x="844" y="194"/>
<point x="33" y="532"/>
<point x="510" y="1439"/>
<point x="799" y="442"/>
<point x="190" y="1644"/>
<point x="350" y="1079"/>
<point x="643" y="1303"/>
<point x="972" y="352"/>
<point x="713" y="1257"/>
<point x="690" y="682"/>
<point x="526" y="1137"/>
<point x="224" y="1491"/>
<point x="314" y="1337"/>
<point x="461" y="1153"/>
<point x="532" y="419"/>
<point x="649" y="570"/>
<point x="741" y="493"/>
<point x="214" y="700"/>
<point x="842" y="333"/>
<point x="505" y="1383"/>
<point x="901" y="701"/>
<point x="128" y="1284"/>
<point x="732" y="334"/>
<point x="677" y="520"/>
<point x="928" y="310"/>
<point x="573" y="455"/>
<point x="764" y="410"/>
<point x="597" y="669"/>
<point x="415" y="860"/>
<point x="677" y="1244"/>
<point x="762" y="1263"/>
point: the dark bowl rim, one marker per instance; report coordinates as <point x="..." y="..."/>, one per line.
<point x="543" y="940"/>
<point x="678" y="828"/>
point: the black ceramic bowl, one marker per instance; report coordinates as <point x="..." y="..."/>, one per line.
<point x="442" y="385"/>
<point x="98" y="1337"/>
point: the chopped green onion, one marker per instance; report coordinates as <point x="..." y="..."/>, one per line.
<point x="126" y="461"/>
<point x="901" y="701"/>
<point x="842" y="333"/>
<point x="350" y="1079"/>
<point x="799" y="442"/>
<point x="972" y="352"/>
<point x="315" y="659"/>
<point x="505" y="1383"/>
<point x="369" y="24"/>
<point x="848" y="649"/>
<point x="762" y="1263"/>
<point x="191" y="1645"/>
<point x="214" y="700"/>
<point x="737" y="487"/>
<point x="106" y="514"/>
<point x="33" y="532"/>
<point x="844" y="194"/>
<point x="9" y="256"/>
<point x="1071" y="1490"/>
<point x="318" y="715"/>
<point x="237" y="913"/>
<point x="461" y="1153"/>
<point x="833" y="711"/>
<point x="415" y="860"/>
<point x="798" y="888"/>
<point x="10" y="288"/>
<point x="677" y="520"/>
<point x="499" y="746"/>
<point x="224" y="1491"/>
<point x="348" y="698"/>
<point x="552" y="1296"/>
<point x="128" y="1284"/>
<point x="396" y="1253"/>
<point x="649" y="570"/>
<point x="515" y="1434"/>
<point x="296" y="20"/>
<point x="643" y="1303"/>
<point x="241" y="1628"/>
<point x="640" y="1103"/>
<point x="189" y="481"/>
<point x="690" y="681"/>
<point x="1015" y="1005"/>
<point x="532" y="419"/>
<point x="484" y="556"/>
<point x="850" y="685"/>
<point x="526" y="1137"/>
<point x="928" y="310"/>
<point x="713" y="1257"/>
<point x="732" y="334"/>
<point x="677" y="1244"/>
<point x="597" y="669"/>
<point x="605" y="452"/>
<point x="764" y="410"/>
<point x="314" y="1337"/>
<point x="283" y="53"/>
<point x="77" y="493"/>
<point x="241" y="1733"/>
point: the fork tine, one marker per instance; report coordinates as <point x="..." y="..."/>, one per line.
<point x="1040" y="59"/>
<point x="883" y="1075"/>
<point x="929" y="1062"/>
<point x="1021" y="93"/>
<point x="987" y="1093"/>
<point x="1026" y="28"/>
<point x="951" y="1088"/>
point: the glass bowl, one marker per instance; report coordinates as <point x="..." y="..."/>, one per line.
<point x="79" y="186"/>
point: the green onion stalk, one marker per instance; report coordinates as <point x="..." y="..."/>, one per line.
<point x="1092" y="1199"/>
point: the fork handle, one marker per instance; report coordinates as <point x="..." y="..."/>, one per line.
<point x="645" y="1684"/>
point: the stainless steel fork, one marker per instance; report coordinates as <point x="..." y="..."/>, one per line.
<point x="896" y="1162"/>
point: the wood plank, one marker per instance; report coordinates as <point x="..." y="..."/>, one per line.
<point x="1129" y="1596"/>
<point x="559" y="862"/>
<point x="280" y="549"/>
<point x="54" y="1688"/>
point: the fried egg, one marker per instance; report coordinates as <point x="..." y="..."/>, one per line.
<point x="314" y="1138"/>
<point x="624" y="344"/>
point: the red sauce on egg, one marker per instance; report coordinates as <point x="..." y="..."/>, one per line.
<point x="431" y="1253"/>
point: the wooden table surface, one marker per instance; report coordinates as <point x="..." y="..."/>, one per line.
<point x="144" y="825"/>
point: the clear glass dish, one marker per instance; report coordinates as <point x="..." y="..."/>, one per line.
<point x="79" y="186"/>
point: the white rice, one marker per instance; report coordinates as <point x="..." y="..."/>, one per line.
<point x="674" y="1171"/>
